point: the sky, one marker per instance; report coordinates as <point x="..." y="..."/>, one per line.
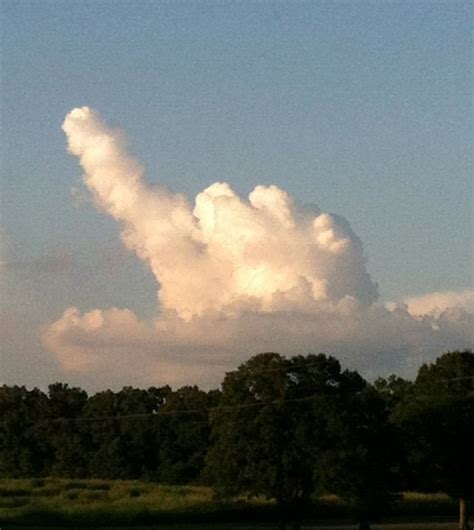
<point x="245" y="177"/>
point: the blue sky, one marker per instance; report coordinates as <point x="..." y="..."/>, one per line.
<point x="362" y="108"/>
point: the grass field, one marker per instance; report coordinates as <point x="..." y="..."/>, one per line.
<point x="87" y="503"/>
<point x="409" y="526"/>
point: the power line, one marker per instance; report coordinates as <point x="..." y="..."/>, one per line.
<point x="164" y="413"/>
<point x="159" y="413"/>
<point x="464" y="378"/>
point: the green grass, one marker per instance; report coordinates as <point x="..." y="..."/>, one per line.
<point x="430" y="505"/>
<point x="87" y="502"/>
<point x="61" y="502"/>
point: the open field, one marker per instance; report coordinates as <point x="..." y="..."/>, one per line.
<point x="89" y="503"/>
<point x="410" y="526"/>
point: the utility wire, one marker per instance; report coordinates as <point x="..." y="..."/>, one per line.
<point x="165" y="413"/>
<point x="160" y="413"/>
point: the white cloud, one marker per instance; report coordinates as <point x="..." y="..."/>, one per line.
<point x="436" y="303"/>
<point x="223" y="251"/>
<point x="113" y="345"/>
<point x="236" y="277"/>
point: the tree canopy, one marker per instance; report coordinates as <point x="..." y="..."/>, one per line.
<point x="437" y="418"/>
<point x="283" y="423"/>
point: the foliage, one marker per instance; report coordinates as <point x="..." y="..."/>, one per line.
<point x="392" y="389"/>
<point x="133" y="433"/>
<point x="437" y="418"/>
<point x="24" y="451"/>
<point x="362" y="463"/>
<point x="271" y="431"/>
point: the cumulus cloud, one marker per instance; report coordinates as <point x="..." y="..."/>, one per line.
<point x="222" y="251"/>
<point x="236" y="277"/>
<point x="436" y="303"/>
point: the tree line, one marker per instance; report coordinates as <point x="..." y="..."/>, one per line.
<point x="285" y="428"/>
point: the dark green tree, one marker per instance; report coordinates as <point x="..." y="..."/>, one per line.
<point x="121" y="427"/>
<point x="23" y="453"/>
<point x="67" y="441"/>
<point x="392" y="389"/>
<point x="270" y="432"/>
<point x="363" y="462"/>
<point x="437" y="416"/>
<point x="184" y="432"/>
